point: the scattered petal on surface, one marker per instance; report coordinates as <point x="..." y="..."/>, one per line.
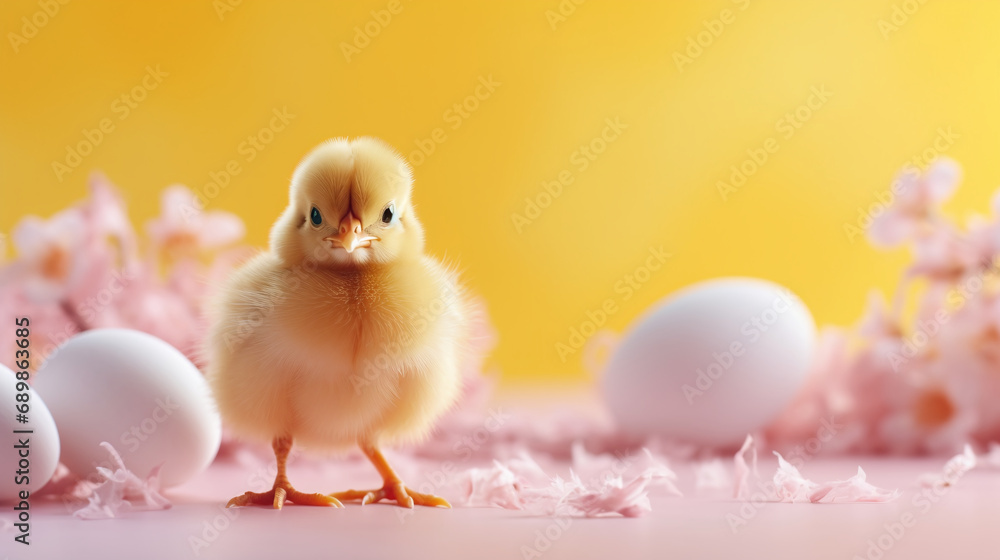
<point x="853" y="490"/>
<point x="712" y="475"/>
<point x="122" y="491"/>
<point x="791" y="486"/>
<point x="495" y="486"/>
<point x="953" y="470"/>
<point x="741" y="472"/>
<point x="523" y="485"/>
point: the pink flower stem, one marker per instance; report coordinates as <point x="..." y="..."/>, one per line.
<point x="73" y="316"/>
<point x="899" y="299"/>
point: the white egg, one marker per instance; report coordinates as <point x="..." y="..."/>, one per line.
<point x="136" y="392"/>
<point x="42" y="452"/>
<point x="711" y="363"/>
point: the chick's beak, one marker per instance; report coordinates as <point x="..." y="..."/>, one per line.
<point x="350" y="236"/>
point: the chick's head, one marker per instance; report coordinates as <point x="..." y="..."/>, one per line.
<point x="349" y="207"/>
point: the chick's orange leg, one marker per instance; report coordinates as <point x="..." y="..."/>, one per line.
<point x="393" y="488"/>
<point x="282" y="490"/>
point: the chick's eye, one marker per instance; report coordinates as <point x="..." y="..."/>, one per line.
<point x="315" y="216"/>
<point x="388" y="213"/>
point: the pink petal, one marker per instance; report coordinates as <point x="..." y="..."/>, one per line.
<point x="521" y="484"/>
<point x="892" y="228"/>
<point x="712" y="475"/>
<point x="33" y="236"/>
<point x="995" y="203"/>
<point x="122" y="491"/>
<point x="853" y="490"/>
<point x="789" y="484"/>
<point x="906" y="188"/>
<point x="178" y="205"/>
<point x="179" y="213"/>
<point x="218" y="229"/>
<point x="953" y="470"/>
<point x="877" y="321"/>
<point x="495" y="486"/>
<point x="607" y="465"/>
<point x="741" y="473"/>
<point x="107" y="208"/>
<point x="30" y="236"/>
<point x="628" y="500"/>
<point x="941" y="179"/>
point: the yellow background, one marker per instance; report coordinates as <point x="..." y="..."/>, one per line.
<point x="655" y="185"/>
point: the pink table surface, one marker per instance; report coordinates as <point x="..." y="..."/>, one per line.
<point x="964" y="523"/>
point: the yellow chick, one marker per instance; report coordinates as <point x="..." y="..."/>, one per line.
<point x="344" y="333"/>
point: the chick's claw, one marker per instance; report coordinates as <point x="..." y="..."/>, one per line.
<point x="393" y="491"/>
<point x="276" y="497"/>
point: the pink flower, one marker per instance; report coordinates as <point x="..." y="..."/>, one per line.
<point x="149" y="305"/>
<point x="983" y="238"/>
<point x="943" y="254"/>
<point x="51" y="255"/>
<point x="107" y="216"/>
<point x="913" y="209"/>
<point x="934" y="414"/>
<point x="184" y="230"/>
<point x="877" y="322"/>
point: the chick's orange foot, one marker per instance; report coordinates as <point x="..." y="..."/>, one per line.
<point x="282" y="490"/>
<point x="392" y="491"/>
<point x="393" y="488"/>
<point x="277" y="496"/>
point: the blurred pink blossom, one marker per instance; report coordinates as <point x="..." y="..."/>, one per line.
<point x="916" y="197"/>
<point x="927" y="384"/>
<point x="83" y="268"/>
<point x="183" y="229"/>
<point x="52" y="255"/>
